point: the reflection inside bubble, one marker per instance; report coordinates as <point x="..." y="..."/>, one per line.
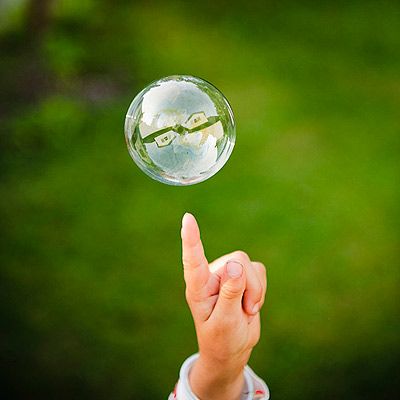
<point x="180" y="130"/>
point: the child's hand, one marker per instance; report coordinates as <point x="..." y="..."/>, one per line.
<point x="225" y="298"/>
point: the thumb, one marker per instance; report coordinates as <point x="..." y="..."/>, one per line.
<point x="233" y="284"/>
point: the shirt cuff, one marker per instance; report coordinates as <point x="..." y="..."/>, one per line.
<point x="254" y="387"/>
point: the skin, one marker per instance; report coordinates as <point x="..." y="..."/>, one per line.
<point x="225" y="298"/>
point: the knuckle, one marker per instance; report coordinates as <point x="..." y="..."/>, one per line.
<point x="261" y="267"/>
<point x="229" y="292"/>
<point x="240" y="255"/>
<point x="188" y="263"/>
<point x="262" y="271"/>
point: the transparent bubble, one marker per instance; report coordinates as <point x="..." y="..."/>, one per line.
<point x="180" y="130"/>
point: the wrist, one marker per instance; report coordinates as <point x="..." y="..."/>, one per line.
<point x="225" y="363"/>
<point x="213" y="379"/>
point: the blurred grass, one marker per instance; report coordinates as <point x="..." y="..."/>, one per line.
<point x="92" y="301"/>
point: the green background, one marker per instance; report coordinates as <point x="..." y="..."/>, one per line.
<point x="92" y="296"/>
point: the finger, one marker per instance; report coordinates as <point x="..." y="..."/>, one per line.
<point x="262" y="275"/>
<point x="195" y="264"/>
<point x="233" y="284"/>
<point x="253" y="292"/>
<point x="254" y="330"/>
<point x="254" y="289"/>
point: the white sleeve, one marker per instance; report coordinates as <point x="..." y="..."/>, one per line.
<point x="254" y="388"/>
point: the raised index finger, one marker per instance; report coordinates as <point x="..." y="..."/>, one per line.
<point x="194" y="260"/>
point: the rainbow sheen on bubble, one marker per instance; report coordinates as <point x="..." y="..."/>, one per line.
<point x="180" y="130"/>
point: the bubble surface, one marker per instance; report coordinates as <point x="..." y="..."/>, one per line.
<point x="180" y="130"/>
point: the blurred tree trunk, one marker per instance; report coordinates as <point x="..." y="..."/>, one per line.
<point x="38" y="18"/>
<point x="24" y="76"/>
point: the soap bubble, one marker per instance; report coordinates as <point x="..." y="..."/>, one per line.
<point x="180" y="130"/>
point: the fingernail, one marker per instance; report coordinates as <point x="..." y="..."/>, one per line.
<point x="255" y="309"/>
<point x="234" y="269"/>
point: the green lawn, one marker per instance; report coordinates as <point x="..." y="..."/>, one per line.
<point x="92" y="295"/>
